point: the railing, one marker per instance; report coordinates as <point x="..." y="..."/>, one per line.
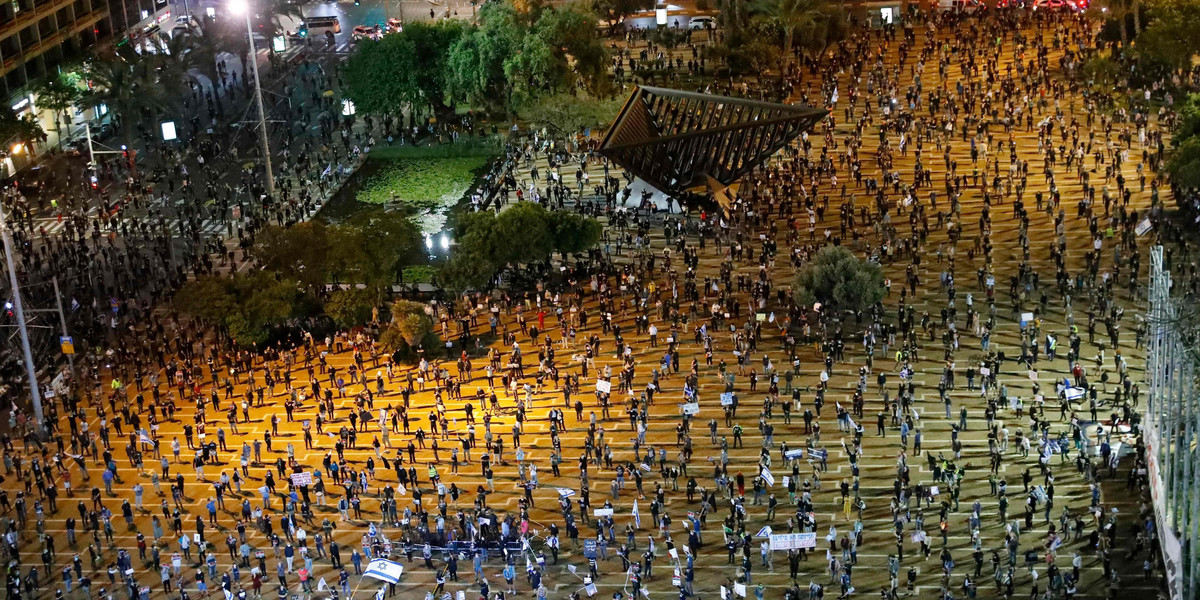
<point x="1170" y="426"/>
<point x="44" y="44"/>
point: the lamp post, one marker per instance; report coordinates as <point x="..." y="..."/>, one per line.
<point x="34" y="392"/>
<point x="240" y="6"/>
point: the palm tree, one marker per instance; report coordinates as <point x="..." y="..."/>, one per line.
<point x="792" y="18"/>
<point x="205" y="49"/>
<point x="269" y="14"/>
<point x="1117" y="10"/>
<point x="135" y="87"/>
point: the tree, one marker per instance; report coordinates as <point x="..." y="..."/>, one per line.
<point x="1116" y="11"/>
<point x="1188" y="123"/>
<point x="1184" y="164"/>
<point x="204" y="49"/>
<point x="572" y="34"/>
<point x="1101" y="72"/>
<point x="615" y="11"/>
<point x="246" y="306"/>
<point x="381" y="75"/>
<point x="268" y="20"/>
<point x="574" y="233"/>
<point x="793" y="19"/>
<point x="403" y="69"/>
<point x="562" y="115"/>
<point x="372" y="249"/>
<point x="25" y="129"/>
<point x="57" y="93"/>
<point x="523" y="233"/>
<point x="412" y="321"/>
<point x="1172" y="36"/>
<point x="431" y="50"/>
<point x="132" y="87"/>
<point x="467" y="269"/>
<point x="300" y="252"/>
<point x="839" y="281"/>
<point x="206" y="298"/>
<point x="350" y="307"/>
<point x="513" y="57"/>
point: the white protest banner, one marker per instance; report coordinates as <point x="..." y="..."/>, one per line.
<point x="787" y="479"/>
<point x="739" y="589"/>
<point x="691" y="408"/>
<point x="603" y="387"/>
<point x="789" y="541"/>
<point x="794" y="453"/>
<point x="602" y="512"/>
<point x="566" y="492"/>
<point x="301" y="479"/>
<point x="727" y="399"/>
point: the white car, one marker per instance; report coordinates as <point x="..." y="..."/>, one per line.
<point x="698" y="23"/>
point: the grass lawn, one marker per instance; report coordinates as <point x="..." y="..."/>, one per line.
<point x="422" y="184"/>
<point x="423" y="181"/>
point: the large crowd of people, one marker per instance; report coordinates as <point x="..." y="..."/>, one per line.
<point x="980" y="420"/>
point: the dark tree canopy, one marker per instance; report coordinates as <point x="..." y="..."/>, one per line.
<point x="839" y="281"/>
<point x="523" y="233"/>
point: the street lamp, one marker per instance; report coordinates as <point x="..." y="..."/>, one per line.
<point x="15" y="304"/>
<point x="242" y="7"/>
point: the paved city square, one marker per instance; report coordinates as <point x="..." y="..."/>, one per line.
<point x="955" y="433"/>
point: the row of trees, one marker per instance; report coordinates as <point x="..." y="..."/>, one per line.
<point x="516" y="54"/>
<point x="365" y="255"/>
<point x="363" y="258"/>
<point x="1161" y="36"/>
<point x="1184" y="163"/>
<point x="769" y="34"/>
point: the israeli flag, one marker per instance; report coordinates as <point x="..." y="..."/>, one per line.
<point x="384" y="570"/>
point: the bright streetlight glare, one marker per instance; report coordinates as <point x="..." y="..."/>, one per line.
<point x="239" y="7"/>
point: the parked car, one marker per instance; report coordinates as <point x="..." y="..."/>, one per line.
<point x="967" y="6"/>
<point x="394" y="25"/>
<point x="702" y="23"/>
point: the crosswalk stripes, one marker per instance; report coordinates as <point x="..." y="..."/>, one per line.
<point x="52" y="226"/>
